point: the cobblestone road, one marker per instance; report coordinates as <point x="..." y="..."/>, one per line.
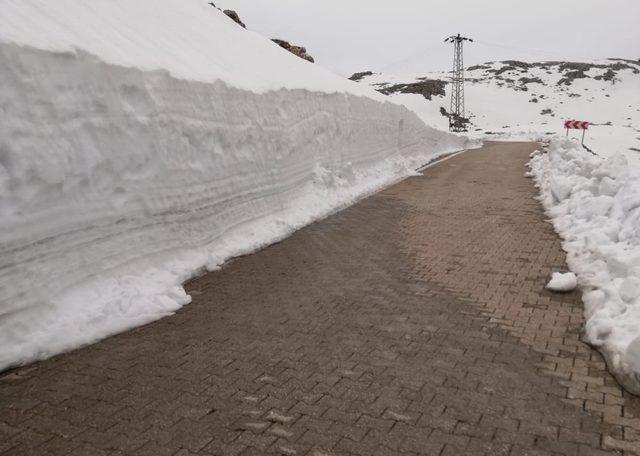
<point x="412" y="323"/>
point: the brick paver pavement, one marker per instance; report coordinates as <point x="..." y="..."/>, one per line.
<point x="412" y="323"/>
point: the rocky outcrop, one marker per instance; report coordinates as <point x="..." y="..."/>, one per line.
<point x="511" y="65"/>
<point x="479" y="67"/>
<point x="359" y="76"/>
<point x="231" y="14"/>
<point x="425" y="87"/>
<point x="535" y="80"/>
<point x="570" y="71"/>
<point x="234" y="16"/>
<point x="299" y="51"/>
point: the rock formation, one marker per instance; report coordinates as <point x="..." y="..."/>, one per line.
<point x="300" y="51"/>
<point x="234" y="16"/>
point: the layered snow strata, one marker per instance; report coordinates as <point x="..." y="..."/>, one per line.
<point x="117" y="184"/>
<point x="594" y="204"/>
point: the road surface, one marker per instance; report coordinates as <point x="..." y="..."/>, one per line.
<point x="413" y="323"/>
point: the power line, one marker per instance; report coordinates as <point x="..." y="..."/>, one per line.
<point x="536" y="52"/>
<point x="409" y="57"/>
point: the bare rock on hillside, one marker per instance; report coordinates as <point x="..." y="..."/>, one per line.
<point x="518" y="64"/>
<point x="525" y="81"/>
<point x="426" y="87"/>
<point x="479" y="67"/>
<point x="299" y="51"/>
<point x="511" y="65"/>
<point x="569" y="71"/>
<point x="572" y="71"/>
<point x="359" y="76"/>
<point x="234" y="16"/>
<point x="608" y="75"/>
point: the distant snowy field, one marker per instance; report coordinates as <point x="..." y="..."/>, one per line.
<point x="141" y="145"/>
<point x="499" y="98"/>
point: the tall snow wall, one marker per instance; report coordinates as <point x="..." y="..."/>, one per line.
<point x="118" y="183"/>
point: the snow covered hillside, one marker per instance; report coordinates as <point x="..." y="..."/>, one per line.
<point x="140" y="145"/>
<point x="531" y="100"/>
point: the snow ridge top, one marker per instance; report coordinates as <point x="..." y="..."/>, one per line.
<point x="191" y="40"/>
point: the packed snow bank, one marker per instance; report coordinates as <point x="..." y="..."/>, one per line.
<point x="118" y="183"/>
<point x="562" y="281"/>
<point x="595" y="206"/>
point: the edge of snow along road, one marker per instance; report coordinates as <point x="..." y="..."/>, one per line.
<point x="594" y="205"/>
<point x="473" y="145"/>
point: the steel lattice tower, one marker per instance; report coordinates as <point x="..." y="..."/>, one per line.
<point x="456" y="111"/>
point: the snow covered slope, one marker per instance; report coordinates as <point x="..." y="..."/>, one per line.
<point x="140" y="145"/>
<point x="531" y="100"/>
<point x="191" y="40"/>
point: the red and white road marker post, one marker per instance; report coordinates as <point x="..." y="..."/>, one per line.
<point x="576" y="125"/>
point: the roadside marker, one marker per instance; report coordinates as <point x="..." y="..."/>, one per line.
<point x="577" y="125"/>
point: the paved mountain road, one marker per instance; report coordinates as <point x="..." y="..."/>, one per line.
<point x="413" y="323"/>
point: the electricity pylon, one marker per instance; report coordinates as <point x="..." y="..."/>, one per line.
<point x="456" y="115"/>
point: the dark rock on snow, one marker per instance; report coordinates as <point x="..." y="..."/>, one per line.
<point x="479" y="67"/>
<point x="234" y="16"/>
<point x="359" y="76"/>
<point x="299" y="51"/>
<point x="426" y="88"/>
<point x="296" y="50"/>
<point x="608" y="75"/>
<point x="525" y="81"/>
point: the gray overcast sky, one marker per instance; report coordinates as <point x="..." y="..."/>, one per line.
<point x="406" y="35"/>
